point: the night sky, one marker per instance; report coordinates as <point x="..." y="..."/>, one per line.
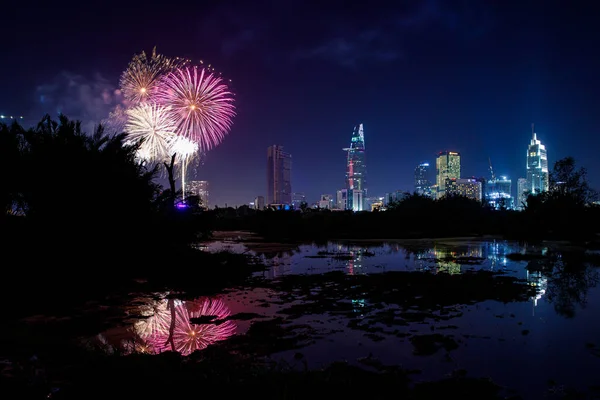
<point x="423" y="76"/>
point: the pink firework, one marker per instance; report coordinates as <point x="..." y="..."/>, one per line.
<point x="201" y="103"/>
<point x="185" y="337"/>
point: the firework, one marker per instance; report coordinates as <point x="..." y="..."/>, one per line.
<point x="201" y="103"/>
<point x="140" y="80"/>
<point x="187" y="337"/>
<point x="154" y="125"/>
<point x="183" y="147"/>
<point x="158" y="319"/>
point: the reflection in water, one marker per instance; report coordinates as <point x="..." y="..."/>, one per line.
<point x="540" y="283"/>
<point x="569" y="281"/>
<point x="168" y="326"/>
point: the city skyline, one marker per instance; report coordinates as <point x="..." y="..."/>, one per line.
<point x="422" y="77"/>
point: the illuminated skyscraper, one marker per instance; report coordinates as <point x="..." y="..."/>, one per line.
<point x="537" y="165"/>
<point x="521" y="193"/>
<point x="422" y="181"/>
<point x="200" y="189"/>
<point x="356" y="170"/>
<point x="447" y="166"/>
<point x="279" y="174"/>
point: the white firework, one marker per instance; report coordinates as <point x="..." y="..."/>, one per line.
<point x="155" y="127"/>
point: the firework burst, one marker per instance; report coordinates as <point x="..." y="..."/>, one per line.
<point x="155" y="127"/>
<point x="140" y="80"/>
<point x="201" y="103"/>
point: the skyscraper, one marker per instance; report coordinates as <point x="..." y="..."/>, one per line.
<point x="447" y="166"/>
<point x="521" y="193"/>
<point x="356" y="168"/>
<point x="537" y="165"/>
<point x="279" y="174"/>
<point x="422" y="182"/>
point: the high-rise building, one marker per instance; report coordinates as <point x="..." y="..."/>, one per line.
<point x="200" y="189"/>
<point x="422" y="179"/>
<point x="521" y="193"/>
<point x="259" y="203"/>
<point x="350" y="199"/>
<point x="470" y="188"/>
<point x="537" y="165"/>
<point x="498" y="193"/>
<point x="326" y="201"/>
<point x="447" y="166"/>
<point x="279" y="176"/>
<point x="356" y="168"/>
<point x="342" y="199"/>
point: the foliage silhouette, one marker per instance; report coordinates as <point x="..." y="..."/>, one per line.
<point x="558" y="214"/>
<point x="80" y="212"/>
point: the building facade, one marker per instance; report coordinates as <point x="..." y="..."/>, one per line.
<point x="470" y="188"/>
<point x="537" y="166"/>
<point x="279" y="176"/>
<point x="200" y="189"/>
<point x="522" y="193"/>
<point x="326" y="201"/>
<point x="498" y="193"/>
<point x="423" y="184"/>
<point x="349" y="199"/>
<point x="447" y="166"/>
<point x="356" y="168"/>
<point x="259" y="203"/>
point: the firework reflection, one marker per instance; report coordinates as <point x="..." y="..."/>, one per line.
<point x="169" y="328"/>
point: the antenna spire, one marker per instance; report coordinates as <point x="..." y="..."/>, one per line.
<point x="533" y="130"/>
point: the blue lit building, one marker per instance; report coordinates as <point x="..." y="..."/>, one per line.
<point x="423" y="185"/>
<point x="498" y="193"/>
<point x="537" y="166"/>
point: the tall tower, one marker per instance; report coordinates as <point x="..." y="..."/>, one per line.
<point x="447" y="166"/>
<point x="537" y="165"/>
<point x="279" y="174"/>
<point x="356" y="169"/>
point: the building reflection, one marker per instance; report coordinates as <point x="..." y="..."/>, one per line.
<point x="537" y="280"/>
<point x="353" y="256"/>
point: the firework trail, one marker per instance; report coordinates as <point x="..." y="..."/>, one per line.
<point x="188" y="337"/>
<point x="154" y="126"/>
<point x="201" y="103"/>
<point x="140" y="80"/>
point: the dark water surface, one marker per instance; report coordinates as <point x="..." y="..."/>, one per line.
<point x="434" y="306"/>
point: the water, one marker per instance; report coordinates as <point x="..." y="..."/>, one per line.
<point x="547" y="342"/>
